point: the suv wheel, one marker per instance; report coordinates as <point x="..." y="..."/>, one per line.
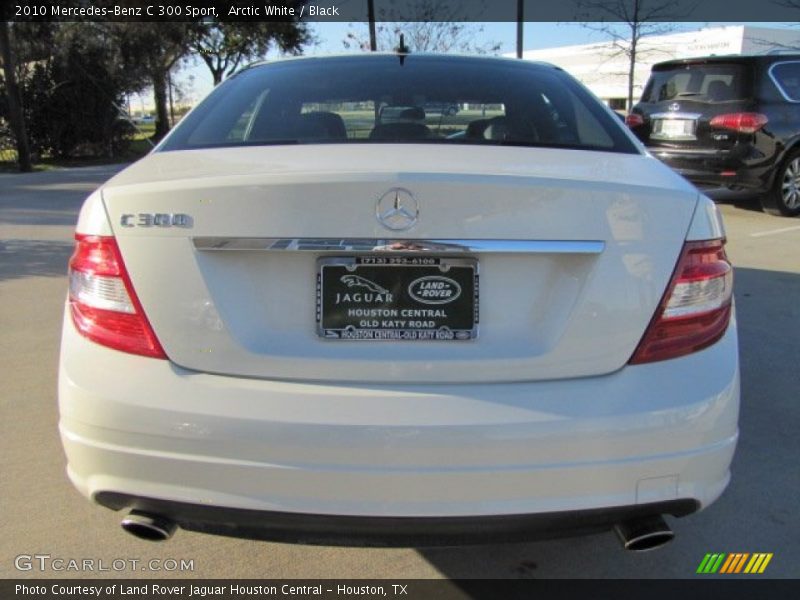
<point x="784" y="197"/>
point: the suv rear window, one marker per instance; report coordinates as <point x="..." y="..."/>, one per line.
<point x="787" y="77"/>
<point x="378" y="99"/>
<point x="698" y="83"/>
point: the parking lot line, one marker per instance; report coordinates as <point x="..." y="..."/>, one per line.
<point x="775" y="231"/>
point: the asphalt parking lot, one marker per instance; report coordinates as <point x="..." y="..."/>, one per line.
<point x="43" y="514"/>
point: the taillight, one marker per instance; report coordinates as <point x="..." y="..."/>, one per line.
<point x="103" y="302"/>
<point x="634" y="120"/>
<point x="696" y="308"/>
<point x="743" y="122"/>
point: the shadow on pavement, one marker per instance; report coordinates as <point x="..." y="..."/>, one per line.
<point x="31" y="204"/>
<point x="740" y="200"/>
<point x="757" y="513"/>
<point x="33" y="258"/>
<point x="51" y="197"/>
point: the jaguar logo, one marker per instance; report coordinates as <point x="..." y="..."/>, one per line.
<point x="358" y="281"/>
<point x="434" y="289"/>
<point x="374" y="294"/>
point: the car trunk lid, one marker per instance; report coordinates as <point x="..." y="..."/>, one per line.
<point x="229" y="277"/>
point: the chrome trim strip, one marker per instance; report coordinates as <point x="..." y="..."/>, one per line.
<point x="374" y="245"/>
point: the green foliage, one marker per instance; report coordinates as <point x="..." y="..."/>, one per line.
<point x="224" y="45"/>
<point x="152" y="50"/>
<point x="73" y="77"/>
<point x="72" y="99"/>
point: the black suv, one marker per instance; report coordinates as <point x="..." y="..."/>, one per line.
<point x="727" y="121"/>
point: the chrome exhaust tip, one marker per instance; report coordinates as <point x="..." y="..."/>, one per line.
<point x="645" y="533"/>
<point x="146" y="526"/>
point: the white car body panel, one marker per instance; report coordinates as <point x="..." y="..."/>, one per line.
<point x="92" y="219"/>
<point x="706" y="223"/>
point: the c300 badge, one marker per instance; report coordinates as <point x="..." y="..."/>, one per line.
<point x="156" y="220"/>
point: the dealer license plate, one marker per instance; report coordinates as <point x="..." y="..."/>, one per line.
<point x="397" y="298"/>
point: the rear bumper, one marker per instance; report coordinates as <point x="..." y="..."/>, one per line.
<point x="145" y="433"/>
<point x="334" y="530"/>
<point x="743" y="167"/>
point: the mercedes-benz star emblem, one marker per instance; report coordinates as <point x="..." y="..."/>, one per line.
<point x="397" y="209"/>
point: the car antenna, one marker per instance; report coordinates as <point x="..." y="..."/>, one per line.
<point x="402" y="50"/>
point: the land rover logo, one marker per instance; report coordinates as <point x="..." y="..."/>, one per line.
<point x="434" y="289"/>
<point x="397" y="209"/>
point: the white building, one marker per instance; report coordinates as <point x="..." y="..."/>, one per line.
<point x="603" y="68"/>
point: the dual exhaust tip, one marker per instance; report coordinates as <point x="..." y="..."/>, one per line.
<point x="644" y="533"/>
<point x="637" y="535"/>
<point x="147" y="526"/>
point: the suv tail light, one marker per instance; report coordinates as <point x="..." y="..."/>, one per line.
<point x="696" y="308"/>
<point x="743" y="122"/>
<point x="634" y="120"/>
<point x="102" y="301"/>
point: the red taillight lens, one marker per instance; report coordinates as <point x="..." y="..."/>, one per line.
<point x="634" y="120"/>
<point x="102" y="301"/>
<point x="696" y="308"/>
<point x="743" y="122"/>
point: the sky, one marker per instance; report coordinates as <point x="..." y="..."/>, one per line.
<point x="195" y="79"/>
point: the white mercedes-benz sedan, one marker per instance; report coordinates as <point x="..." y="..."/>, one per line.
<point x="322" y="311"/>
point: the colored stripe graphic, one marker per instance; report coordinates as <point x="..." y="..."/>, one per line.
<point x="711" y="563"/>
<point x="765" y="563"/>
<point x="758" y="563"/>
<point x="703" y="563"/>
<point x="717" y="564"/>
<point x="729" y="563"/>
<point x="740" y="564"/>
<point x="734" y="563"/>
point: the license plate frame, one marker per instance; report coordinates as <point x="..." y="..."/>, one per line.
<point x="441" y="293"/>
<point x="674" y="129"/>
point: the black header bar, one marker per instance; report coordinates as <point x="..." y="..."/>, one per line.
<point x="732" y="11"/>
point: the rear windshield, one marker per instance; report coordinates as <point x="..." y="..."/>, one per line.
<point x="787" y="77"/>
<point x="381" y="100"/>
<point x="698" y="83"/>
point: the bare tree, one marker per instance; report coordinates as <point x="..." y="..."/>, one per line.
<point x="626" y="22"/>
<point x="428" y="26"/>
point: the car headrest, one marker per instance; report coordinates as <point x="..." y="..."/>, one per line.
<point x="718" y="90"/>
<point x="400" y="131"/>
<point x="321" y="124"/>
